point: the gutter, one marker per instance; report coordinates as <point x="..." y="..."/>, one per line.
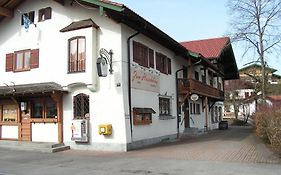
<point x="129" y="82"/>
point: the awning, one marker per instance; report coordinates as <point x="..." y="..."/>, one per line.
<point x="79" y="25"/>
<point x="30" y="89"/>
<point x="144" y="110"/>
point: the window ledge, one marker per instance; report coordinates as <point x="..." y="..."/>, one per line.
<point x="166" y="117"/>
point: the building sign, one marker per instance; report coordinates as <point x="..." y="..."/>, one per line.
<point x="144" y="79"/>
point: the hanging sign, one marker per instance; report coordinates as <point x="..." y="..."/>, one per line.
<point x="144" y="79"/>
<point x="194" y="97"/>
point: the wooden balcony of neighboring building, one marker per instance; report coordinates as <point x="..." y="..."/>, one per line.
<point x="189" y="86"/>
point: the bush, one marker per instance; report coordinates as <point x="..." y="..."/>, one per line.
<point x="268" y="125"/>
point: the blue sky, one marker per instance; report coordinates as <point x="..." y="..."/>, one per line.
<point x="186" y="20"/>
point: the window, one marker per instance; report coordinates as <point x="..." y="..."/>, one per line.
<point x="164" y="106"/>
<point x="216" y="114"/>
<point x="45" y="14"/>
<point x="22" y="60"/>
<point x="197" y="108"/>
<point x="247" y="94"/>
<point x="43" y="108"/>
<point x="212" y="115"/>
<point x="194" y="108"/>
<point x="77" y="54"/>
<point x="163" y="63"/>
<point x="8" y="112"/>
<point x="191" y="108"/>
<point x="196" y="74"/>
<point x="143" y="55"/>
<point x="29" y="15"/>
<point x="81" y="106"/>
<point x="220" y="114"/>
<point x="143" y="116"/>
<point x="211" y="78"/>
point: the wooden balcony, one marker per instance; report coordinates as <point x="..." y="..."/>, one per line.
<point x="189" y="86"/>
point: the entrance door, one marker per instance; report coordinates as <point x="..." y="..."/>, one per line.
<point x="25" y="127"/>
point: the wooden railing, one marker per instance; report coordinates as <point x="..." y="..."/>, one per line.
<point x="193" y="86"/>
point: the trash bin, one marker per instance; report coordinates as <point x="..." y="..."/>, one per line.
<point x="223" y="125"/>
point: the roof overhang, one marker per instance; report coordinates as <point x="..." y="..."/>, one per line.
<point x="30" y="89"/>
<point x="122" y="14"/>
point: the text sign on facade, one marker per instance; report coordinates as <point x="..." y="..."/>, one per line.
<point x="144" y="79"/>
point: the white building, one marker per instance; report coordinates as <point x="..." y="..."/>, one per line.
<point x="51" y="92"/>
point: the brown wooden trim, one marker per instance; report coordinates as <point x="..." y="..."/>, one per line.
<point x="6" y="12"/>
<point x="45" y="120"/>
<point x="10" y="139"/>
<point x="9" y="123"/>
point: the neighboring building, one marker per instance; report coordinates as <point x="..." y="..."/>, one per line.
<point x="249" y="73"/>
<point x="56" y="86"/>
<point x="219" y="52"/>
<point x="245" y="90"/>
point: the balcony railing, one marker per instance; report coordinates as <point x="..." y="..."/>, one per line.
<point x="194" y="86"/>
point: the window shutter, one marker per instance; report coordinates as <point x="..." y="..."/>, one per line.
<point x="48" y="13"/>
<point x="169" y="66"/>
<point x="9" y="62"/>
<point x="151" y="58"/>
<point x="136" y="52"/>
<point x="158" y="61"/>
<point x="34" y="58"/>
<point x="31" y="16"/>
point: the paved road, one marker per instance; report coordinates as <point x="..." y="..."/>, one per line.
<point x="214" y="153"/>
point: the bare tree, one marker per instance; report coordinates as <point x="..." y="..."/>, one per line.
<point x="257" y="23"/>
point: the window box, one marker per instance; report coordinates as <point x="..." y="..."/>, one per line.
<point x="166" y="117"/>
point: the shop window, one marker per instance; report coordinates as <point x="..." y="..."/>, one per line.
<point x="143" y="116"/>
<point x="143" y="55"/>
<point x="164" y="106"/>
<point x="81" y="106"/>
<point x="8" y="113"/>
<point x="77" y="54"/>
<point x="22" y="60"/>
<point x="43" y="108"/>
<point x="45" y="14"/>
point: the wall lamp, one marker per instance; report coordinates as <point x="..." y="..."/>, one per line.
<point x="105" y="59"/>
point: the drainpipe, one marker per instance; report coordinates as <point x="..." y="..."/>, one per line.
<point x="129" y="82"/>
<point x="177" y="100"/>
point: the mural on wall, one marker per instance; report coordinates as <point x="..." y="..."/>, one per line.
<point x="145" y="79"/>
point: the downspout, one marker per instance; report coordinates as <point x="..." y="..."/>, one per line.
<point x="177" y="100"/>
<point x="129" y="82"/>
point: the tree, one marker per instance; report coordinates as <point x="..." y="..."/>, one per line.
<point x="257" y="24"/>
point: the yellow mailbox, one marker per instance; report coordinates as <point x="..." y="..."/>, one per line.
<point x="105" y="129"/>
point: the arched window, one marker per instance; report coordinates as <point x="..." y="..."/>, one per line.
<point x="81" y="106"/>
<point x="77" y="54"/>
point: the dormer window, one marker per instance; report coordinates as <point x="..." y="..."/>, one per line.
<point x="45" y="14"/>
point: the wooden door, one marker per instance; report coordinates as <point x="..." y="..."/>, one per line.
<point x="186" y="115"/>
<point x="25" y="127"/>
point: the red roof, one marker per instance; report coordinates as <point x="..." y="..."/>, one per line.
<point x="275" y="97"/>
<point x="209" y="48"/>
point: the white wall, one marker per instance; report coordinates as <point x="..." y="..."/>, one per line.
<point x="44" y="132"/>
<point x="9" y="132"/>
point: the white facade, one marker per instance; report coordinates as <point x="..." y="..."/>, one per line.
<point x="108" y="96"/>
